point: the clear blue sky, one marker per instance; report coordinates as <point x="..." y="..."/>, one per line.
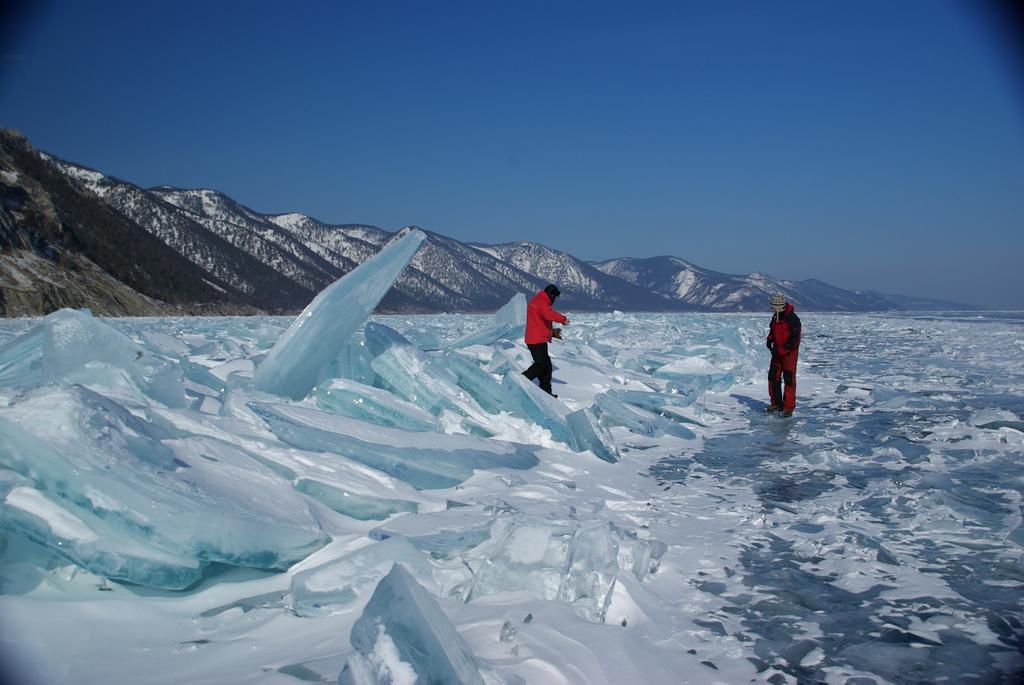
<point x="871" y="144"/>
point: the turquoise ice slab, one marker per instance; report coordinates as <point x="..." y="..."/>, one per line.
<point x="430" y="461"/>
<point x="318" y="334"/>
<point x="423" y="635"/>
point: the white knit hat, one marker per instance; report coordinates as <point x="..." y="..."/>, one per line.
<point x="778" y="301"/>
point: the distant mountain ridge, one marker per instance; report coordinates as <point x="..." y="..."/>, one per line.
<point x="73" y="236"/>
<point x="711" y="290"/>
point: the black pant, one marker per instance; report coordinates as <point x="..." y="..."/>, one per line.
<point x="541" y="368"/>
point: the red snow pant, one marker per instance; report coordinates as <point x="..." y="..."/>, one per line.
<point x="783" y="368"/>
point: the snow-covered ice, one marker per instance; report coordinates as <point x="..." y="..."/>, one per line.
<point x="425" y="512"/>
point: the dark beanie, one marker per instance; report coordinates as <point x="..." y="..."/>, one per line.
<point x="552" y="290"/>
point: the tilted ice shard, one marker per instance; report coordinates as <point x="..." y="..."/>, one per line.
<point x="337" y="584"/>
<point x="407" y="371"/>
<point x="536" y="405"/>
<point x="318" y="334"/>
<point x="94" y="461"/>
<point x="444" y="461"/>
<point x="483" y="387"/>
<point x="698" y="384"/>
<point x="441" y="533"/>
<point x="612" y="412"/>
<point x="588" y="434"/>
<point x="380" y="338"/>
<point x="91" y="542"/>
<point x="348" y="398"/>
<point x="652" y="401"/>
<point x="402" y="613"/>
<point x="411" y="374"/>
<point x="72" y="338"/>
<point x="353" y="363"/>
<point x="70" y="343"/>
<point x="353" y="504"/>
<point x="506" y="322"/>
<point x="591" y="569"/>
<point x="580" y="430"/>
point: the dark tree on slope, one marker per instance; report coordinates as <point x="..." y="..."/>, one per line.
<point x="85" y="225"/>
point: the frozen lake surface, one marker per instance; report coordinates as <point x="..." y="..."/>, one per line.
<point x="165" y="522"/>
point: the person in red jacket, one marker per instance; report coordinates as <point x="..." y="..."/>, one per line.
<point x="539" y="315"/>
<point x="784" y="343"/>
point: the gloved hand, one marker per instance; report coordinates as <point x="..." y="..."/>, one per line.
<point x="768" y="344"/>
<point x="556" y="333"/>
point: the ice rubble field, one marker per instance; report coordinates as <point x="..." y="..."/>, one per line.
<point x="164" y="521"/>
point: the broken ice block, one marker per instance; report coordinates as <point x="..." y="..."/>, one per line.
<point x="69" y="342"/>
<point x="559" y="559"/>
<point x="445" y="460"/>
<point x="591" y="570"/>
<point x="589" y="434"/>
<point x="487" y="391"/>
<point x="507" y="322"/>
<point x="353" y="363"/>
<point x="404" y="616"/>
<point x="536" y="405"/>
<point x="522" y="554"/>
<point x="336" y="585"/>
<point x="615" y="413"/>
<point x="154" y="488"/>
<point x="21" y="360"/>
<point x="696" y="385"/>
<point x="380" y="337"/>
<point x="88" y="541"/>
<point x="72" y="338"/>
<point x="408" y="374"/>
<point x="353" y="504"/>
<point x="316" y="337"/>
<point x="342" y="396"/>
<point x="652" y="401"/>
<point x="442" y="534"/>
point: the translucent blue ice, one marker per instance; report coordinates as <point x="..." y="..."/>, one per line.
<point x="352" y="504"/>
<point x="353" y="362"/>
<point x="481" y="385"/>
<point x="408" y="372"/>
<point x="412" y="374"/>
<point x="536" y="405"/>
<point x="73" y="338"/>
<point x="150" y="498"/>
<point x="694" y="385"/>
<point x="71" y="346"/>
<point x="336" y="585"/>
<point x="88" y="540"/>
<point x="588" y="434"/>
<point x="318" y="334"/>
<point x="442" y="534"/>
<point x="567" y="560"/>
<point x="443" y="461"/>
<point x="403" y="615"/>
<point x="21" y="364"/>
<point x="348" y="398"/>
<point x="613" y="412"/>
<point x="509" y="321"/>
<point x="379" y="338"/>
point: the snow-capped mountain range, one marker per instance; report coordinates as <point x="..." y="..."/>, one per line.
<point x="228" y="257"/>
<point x="682" y="281"/>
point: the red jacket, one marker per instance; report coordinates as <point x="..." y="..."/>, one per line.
<point x="784" y="332"/>
<point x="539" y="315"/>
